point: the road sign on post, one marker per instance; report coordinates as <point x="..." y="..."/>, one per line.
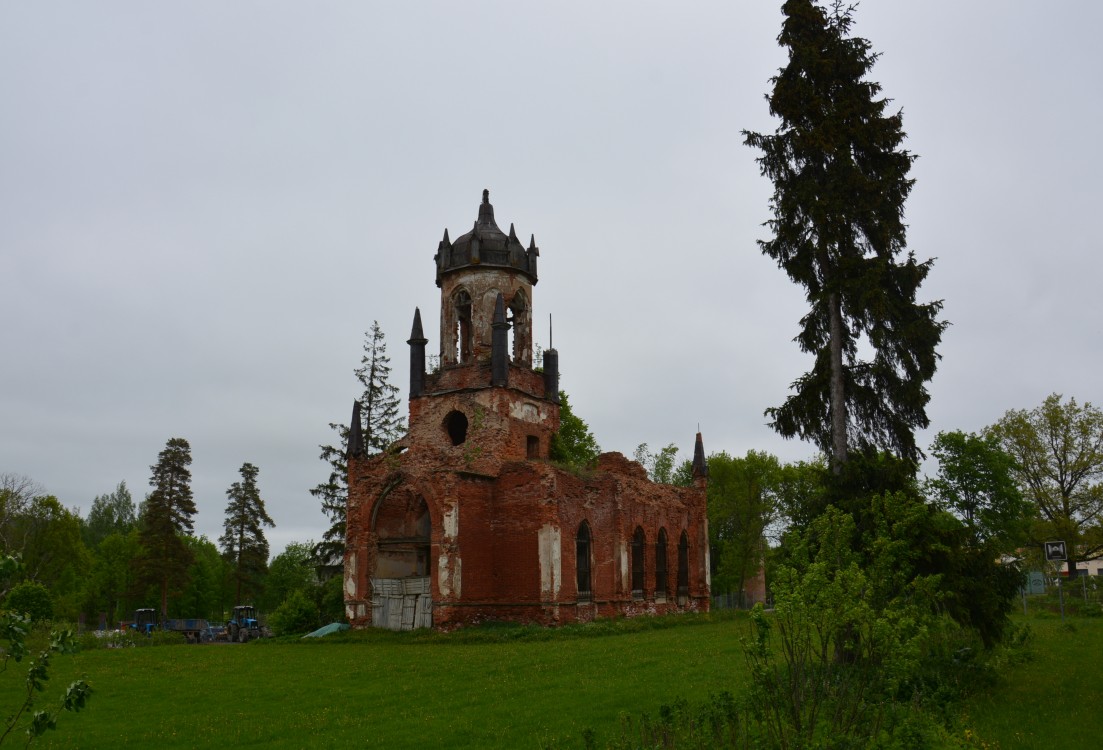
<point x="1055" y="551"/>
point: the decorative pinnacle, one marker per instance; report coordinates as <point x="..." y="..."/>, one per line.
<point x="486" y="196"/>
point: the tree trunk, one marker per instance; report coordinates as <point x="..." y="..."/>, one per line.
<point x="838" y="394"/>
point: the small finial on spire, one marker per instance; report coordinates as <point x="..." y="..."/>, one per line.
<point x="532" y="241"/>
<point x="486" y="196"/>
<point x="513" y="233"/>
<point x="446" y="240"/>
<point x="550" y="344"/>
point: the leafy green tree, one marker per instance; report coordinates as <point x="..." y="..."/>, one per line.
<point x="298" y="614"/>
<point x="975" y="482"/>
<point x="112" y="513"/>
<point x="166" y="517"/>
<point x="31" y="599"/>
<point x="1057" y="450"/>
<point x="243" y="541"/>
<point x="14" y="627"/>
<point x="742" y="503"/>
<point x="113" y="577"/>
<point x="840" y="182"/>
<point x="380" y="425"/>
<point x="661" y="466"/>
<point x="207" y="592"/>
<point x="291" y="570"/>
<point x="574" y="444"/>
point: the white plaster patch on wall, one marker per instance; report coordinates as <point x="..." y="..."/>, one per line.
<point x="526" y="412"/>
<point x="622" y="554"/>
<point x="708" y="557"/>
<point x="451" y="522"/>
<point x="350" y="576"/>
<point x="444" y="581"/>
<point x="551" y="562"/>
<point x="448" y="575"/>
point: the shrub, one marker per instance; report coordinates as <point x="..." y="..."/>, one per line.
<point x="297" y="614"/>
<point x="32" y="599"/>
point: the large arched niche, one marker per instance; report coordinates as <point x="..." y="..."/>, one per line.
<point x="403" y="529"/>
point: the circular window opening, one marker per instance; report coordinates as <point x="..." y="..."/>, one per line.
<point x="455" y="424"/>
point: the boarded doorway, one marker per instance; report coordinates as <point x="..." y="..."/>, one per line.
<point x="401" y="591"/>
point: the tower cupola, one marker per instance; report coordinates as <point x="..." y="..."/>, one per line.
<point x="486" y="245"/>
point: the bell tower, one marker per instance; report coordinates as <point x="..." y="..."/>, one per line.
<point x="486" y="278"/>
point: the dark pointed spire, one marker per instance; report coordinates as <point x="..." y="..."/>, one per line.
<point x="356" y="433"/>
<point x="532" y="243"/>
<point x="417" y="344"/>
<point x="700" y="465"/>
<point x="513" y="234"/>
<point x="447" y="242"/>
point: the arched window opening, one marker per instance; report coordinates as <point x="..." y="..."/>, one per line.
<point x="660" y="565"/>
<point x="464" y="329"/>
<point x="521" y="329"/>
<point x="683" y="566"/>
<point x="582" y="561"/>
<point x="638" y="546"/>
<point x="455" y="424"/>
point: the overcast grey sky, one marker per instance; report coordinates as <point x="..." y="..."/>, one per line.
<point x="204" y="205"/>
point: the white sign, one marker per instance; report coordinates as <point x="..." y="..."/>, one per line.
<point x="1055" y="551"/>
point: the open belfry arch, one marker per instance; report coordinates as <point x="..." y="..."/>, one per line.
<point x="464" y="519"/>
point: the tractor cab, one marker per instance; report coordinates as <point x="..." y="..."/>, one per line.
<point x="145" y="621"/>
<point x="243" y="624"/>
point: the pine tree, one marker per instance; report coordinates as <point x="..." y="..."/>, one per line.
<point x="381" y="425"/>
<point x="166" y="516"/>
<point x="840" y="181"/>
<point x="243" y="542"/>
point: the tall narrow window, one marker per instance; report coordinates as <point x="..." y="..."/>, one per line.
<point x="660" y="564"/>
<point x="683" y="565"/>
<point x="532" y="446"/>
<point x="637" y="563"/>
<point x="582" y="561"/>
<point x="522" y="329"/>
<point x="464" y="333"/>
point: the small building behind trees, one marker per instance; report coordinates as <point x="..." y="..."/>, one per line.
<point x="465" y="519"/>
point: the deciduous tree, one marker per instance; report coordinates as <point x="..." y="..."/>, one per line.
<point x="243" y="542"/>
<point x="742" y="503"/>
<point x="1057" y="450"/>
<point x="574" y="444"/>
<point x="975" y="482"/>
<point x="840" y="182"/>
<point x="112" y="513"/>
<point x="166" y="516"/>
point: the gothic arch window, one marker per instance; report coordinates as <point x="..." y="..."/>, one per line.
<point x="583" y="552"/>
<point x="660" y="564"/>
<point x="683" y="565"/>
<point x="638" y="547"/>
<point x="464" y="331"/>
<point x="521" y="320"/>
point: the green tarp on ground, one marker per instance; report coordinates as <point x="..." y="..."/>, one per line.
<point x="333" y="627"/>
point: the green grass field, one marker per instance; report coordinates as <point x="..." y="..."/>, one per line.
<point x="507" y="688"/>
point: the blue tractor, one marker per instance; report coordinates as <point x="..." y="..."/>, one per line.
<point x="243" y="625"/>
<point x="145" y="621"/>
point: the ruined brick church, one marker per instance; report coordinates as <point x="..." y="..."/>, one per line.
<point x="464" y="519"/>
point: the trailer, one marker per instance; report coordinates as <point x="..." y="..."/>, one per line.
<point x="195" y="630"/>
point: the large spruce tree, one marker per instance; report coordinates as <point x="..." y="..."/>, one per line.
<point x="840" y="181"/>
<point x="166" y="516"/>
<point x="380" y="424"/>
<point x="243" y="543"/>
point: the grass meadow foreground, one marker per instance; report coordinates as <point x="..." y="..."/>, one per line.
<point x="501" y="686"/>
